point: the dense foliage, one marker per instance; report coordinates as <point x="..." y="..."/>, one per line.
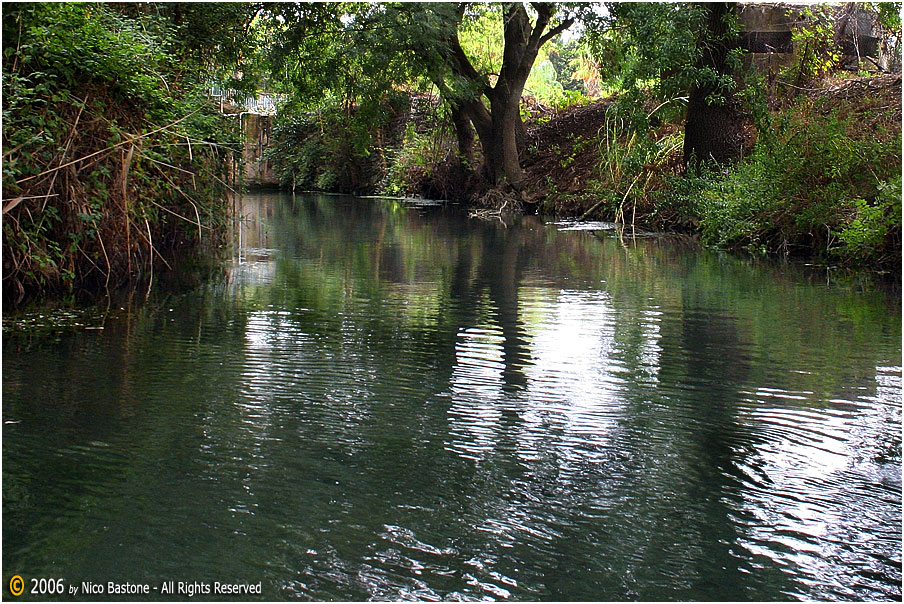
<point x="339" y="149"/>
<point x="476" y="58"/>
<point x="113" y="158"/>
<point x="810" y="177"/>
<point x="825" y="176"/>
<point x="822" y="172"/>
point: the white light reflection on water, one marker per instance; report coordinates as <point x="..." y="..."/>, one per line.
<point x="807" y="480"/>
<point x="572" y="378"/>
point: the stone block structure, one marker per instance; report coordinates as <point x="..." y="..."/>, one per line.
<point x="767" y="27"/>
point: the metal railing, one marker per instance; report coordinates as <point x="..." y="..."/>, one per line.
<point x="264" y="103"/>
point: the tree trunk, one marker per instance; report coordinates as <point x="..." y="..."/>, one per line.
<point x="506" y="164"/>
<point x="714" y="131"/>
<point x="482" y="121"/>
<point x="500" y="127"/>
<point x="464" y="133"/>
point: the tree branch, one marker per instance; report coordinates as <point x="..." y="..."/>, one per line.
<point x="544" y="14"/>
<point x="555" y="31"/>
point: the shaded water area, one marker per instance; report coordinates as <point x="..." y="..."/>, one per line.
<point x="380" y="400"/>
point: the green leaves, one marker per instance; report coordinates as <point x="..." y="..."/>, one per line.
<point x="873" y="223"/>
<point x="817" y="184"/>
<point x="96" y="140"/>
<point x="816" y="52"/>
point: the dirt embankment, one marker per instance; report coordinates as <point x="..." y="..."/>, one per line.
<point x="573" y="158"/>
<point x="563" y="155"/>
<point x="874" y="102"/>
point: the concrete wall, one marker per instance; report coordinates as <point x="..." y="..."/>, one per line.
<point x="258" y="130"/>
<point x="767" y="27"/>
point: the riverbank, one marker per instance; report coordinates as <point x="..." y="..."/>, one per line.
<point x="115" y="163"/>
<point x="820" y="176"/>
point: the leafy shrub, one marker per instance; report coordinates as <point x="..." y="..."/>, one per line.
<point x="410" y="163"/>
<point x="317" y="150"/>
<point x="108" y="166"/>
<point x="331" y="147"/>
<point x="875" y="228"/>
<point x="815" y="50"/>
<point x="817" y="183"/>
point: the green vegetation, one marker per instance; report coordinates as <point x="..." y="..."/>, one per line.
<point x="794" y="175"/>
<point x="816" y="55"/>
<point x="817" y="180"/>
<point x="820" y="173"/>
<point x="823" y="175"/>
<point x="476" y="58"/>
<point x="334" y="148"/>
<point x="112" y="157"/>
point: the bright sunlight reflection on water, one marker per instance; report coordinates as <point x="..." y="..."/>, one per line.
<point x="386" y="401"/>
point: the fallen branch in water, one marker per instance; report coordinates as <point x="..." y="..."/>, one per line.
<point x="495" y="202"/>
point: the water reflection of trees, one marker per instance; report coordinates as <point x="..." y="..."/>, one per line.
<point x="480" y="306"/>
<point x="378" y="387"/>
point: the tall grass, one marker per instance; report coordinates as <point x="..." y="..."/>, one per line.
<point x="107" y="168"/>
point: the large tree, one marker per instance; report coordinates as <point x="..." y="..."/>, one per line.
<point x="493" y="108"/>
<point x="681" y="52"/>
<point x="395" y="43"/>
<point x="714" y="128"/>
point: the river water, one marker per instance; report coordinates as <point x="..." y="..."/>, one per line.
<point x="385" y="400"/>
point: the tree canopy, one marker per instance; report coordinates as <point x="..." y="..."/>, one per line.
<point x="361" y="52"/>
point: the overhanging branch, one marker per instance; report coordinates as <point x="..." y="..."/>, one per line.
<point x="555" y="31"/>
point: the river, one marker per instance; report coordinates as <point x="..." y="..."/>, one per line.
<point x="380" y="399"/>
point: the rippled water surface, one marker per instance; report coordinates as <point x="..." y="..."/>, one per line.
<point x="383" y="400"/>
